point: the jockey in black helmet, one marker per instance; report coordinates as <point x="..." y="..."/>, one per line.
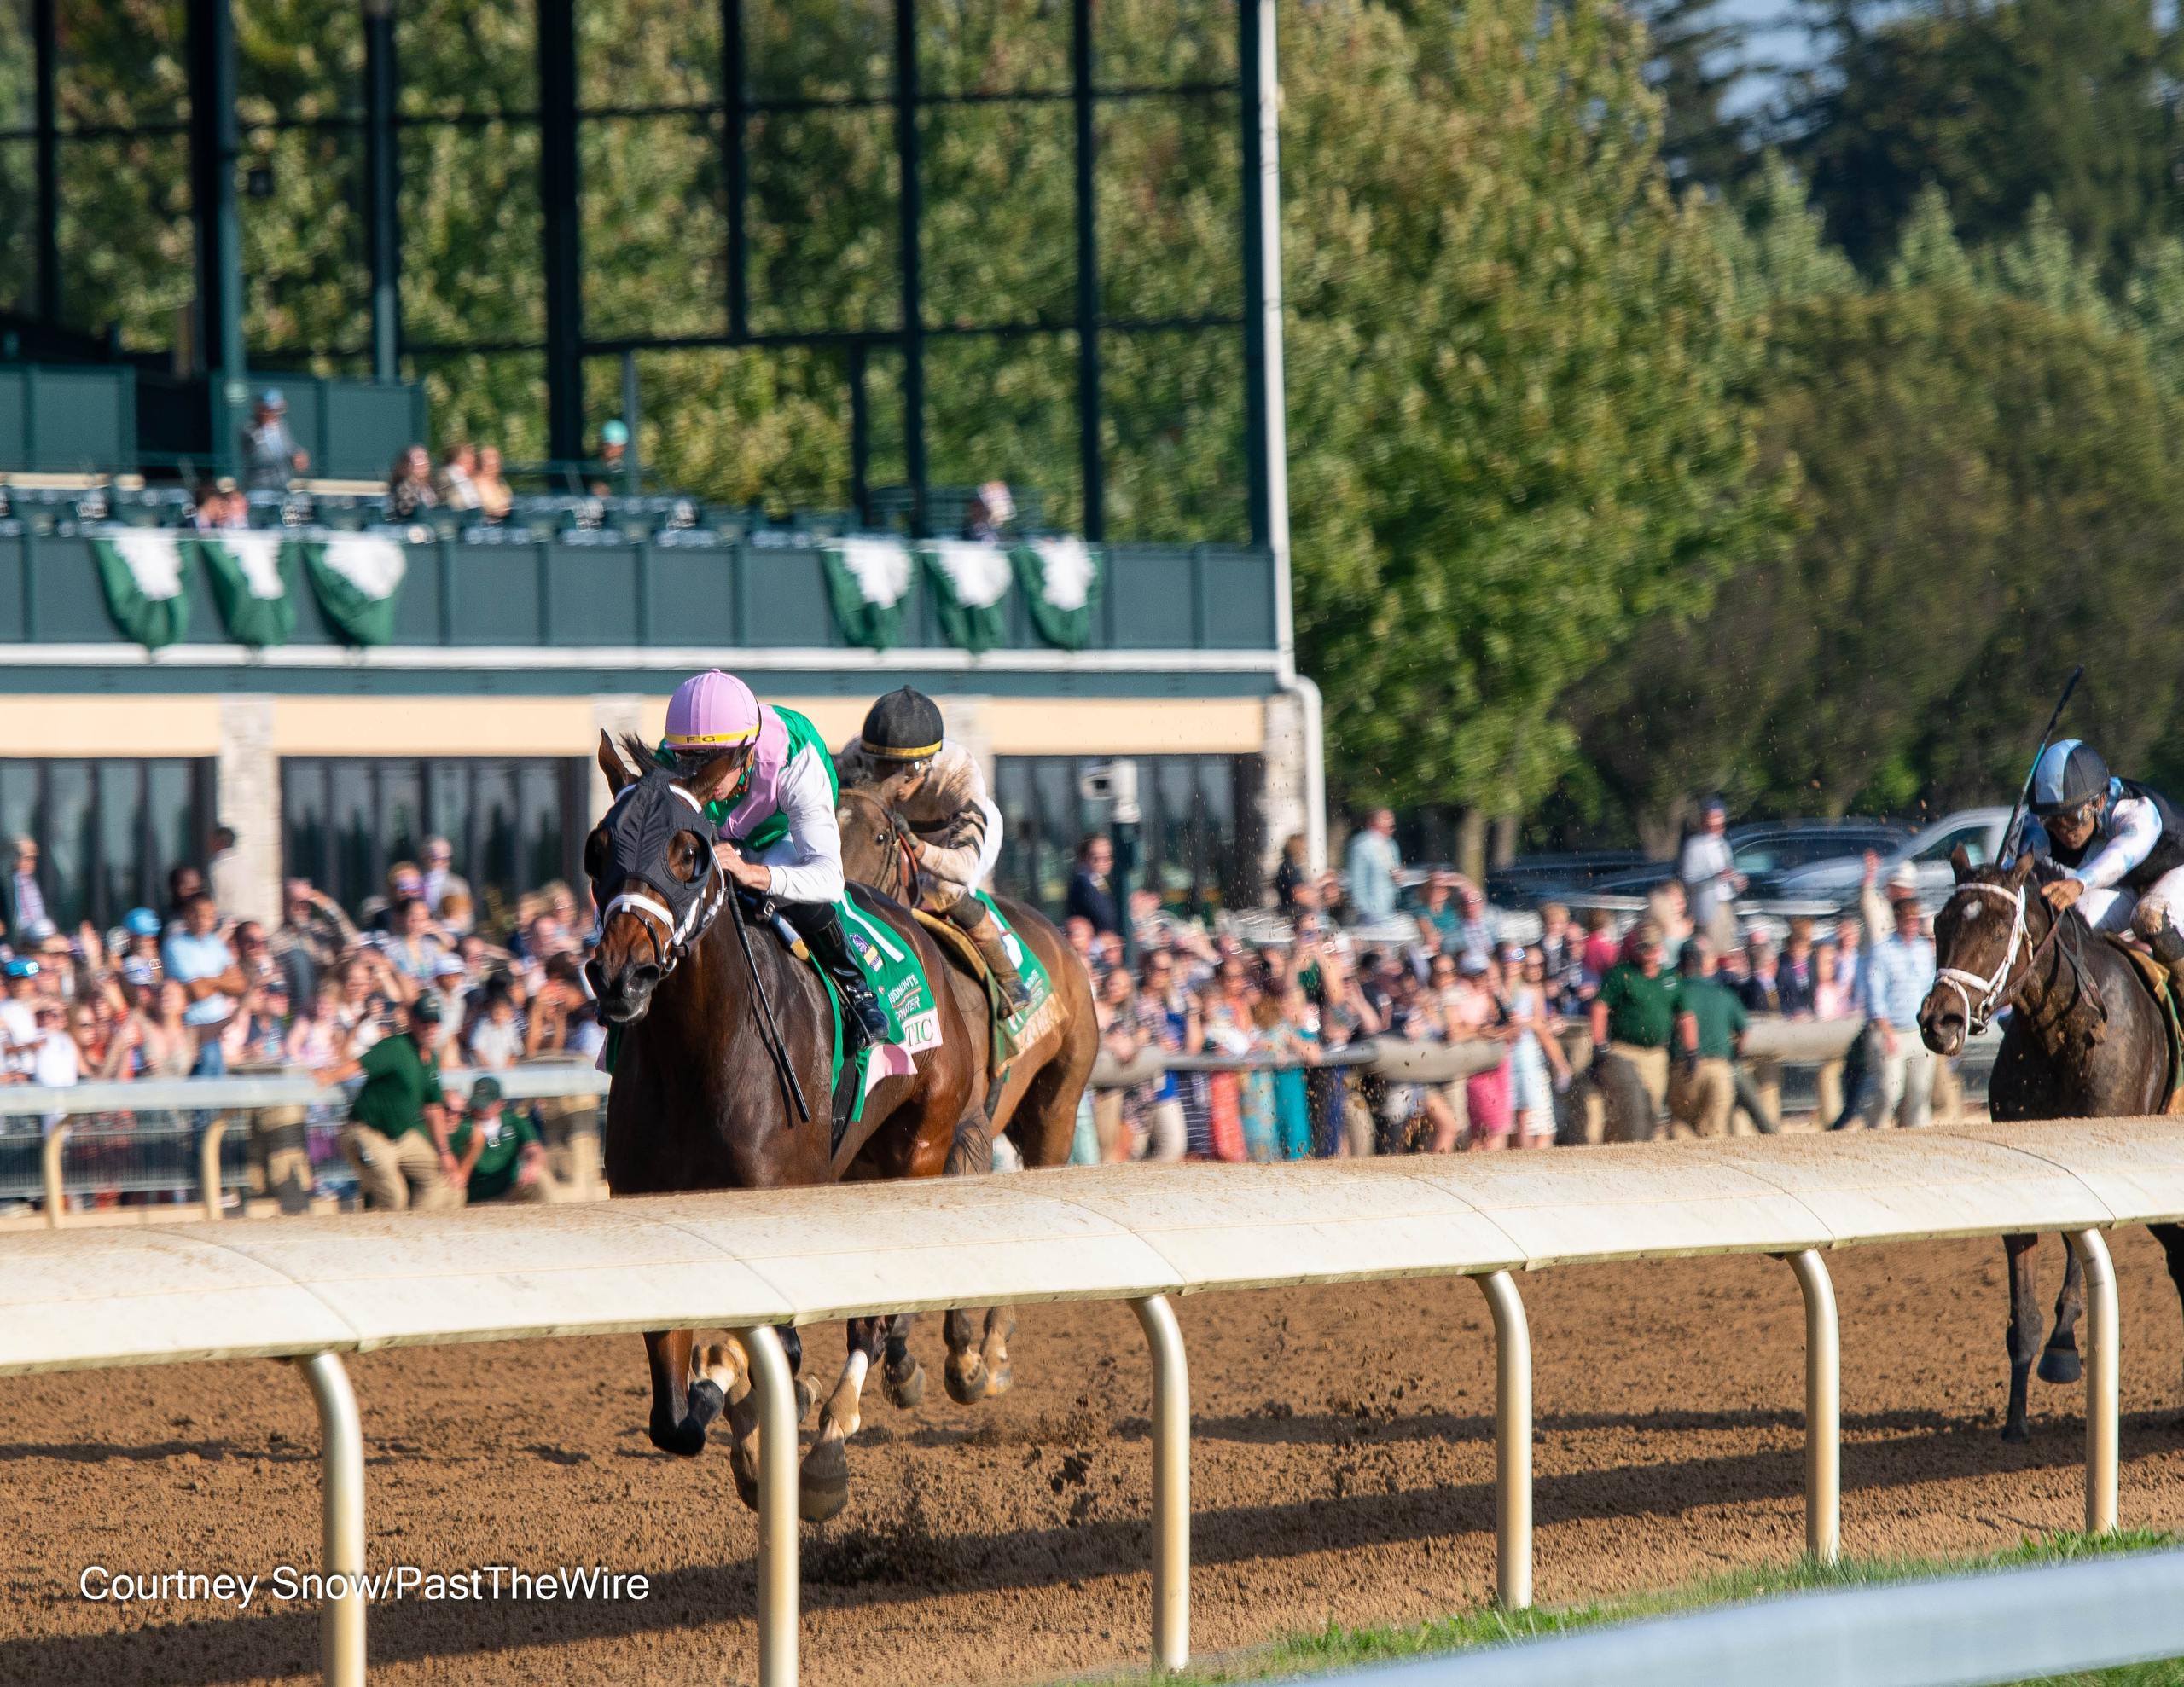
<point x="2120" y="845"/>
<point x="904" y="757"/>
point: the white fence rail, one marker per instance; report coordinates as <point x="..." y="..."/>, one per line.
<point x="312" y="1289"/>
<point x="1772" y="1045"/>
<point x="2010" y="1626"/>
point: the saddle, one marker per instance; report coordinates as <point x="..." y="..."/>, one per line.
<point x="2157" y="978"/>
<point x="957" y="943"/>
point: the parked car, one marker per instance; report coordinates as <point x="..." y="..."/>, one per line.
<point x="1530" y="880"/>
<point x="1764" y="850"/>
<point x="1978" y="831"/>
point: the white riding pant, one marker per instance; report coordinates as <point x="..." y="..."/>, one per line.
<point x="990" y="851"/>
<point x="2117" y="909"/>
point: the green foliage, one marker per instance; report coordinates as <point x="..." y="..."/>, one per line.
<point x="1698" y="57"/>
<point x="1999" y="102"/>
<point x="1988" y="496"/>
<point x="1513" y="382"/>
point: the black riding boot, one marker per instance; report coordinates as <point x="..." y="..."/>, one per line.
<point x="820" y="927"/>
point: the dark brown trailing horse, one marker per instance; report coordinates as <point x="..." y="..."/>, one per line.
<point x="1035" y="1101"/>
<point x="698" y="1100"/>
<point x="2085" y="1041"/>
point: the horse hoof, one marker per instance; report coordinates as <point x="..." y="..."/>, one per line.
<point x="744" y="1469"/>
<point x="998" y="1378"/>
<point x="2017" y="1432"/>
<point x="686" y="1438"/>
<point x="805" y="1399"/>
<point x="2060" y="1365"/>
<point x="907" y="1390"/>
<point x="823" y="1488"/>
<point x="965" y="1379"/>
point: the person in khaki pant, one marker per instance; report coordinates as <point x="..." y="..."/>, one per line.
<point x="1633" y="1021"/>
<point x="397" y="1133"/>
<point x="499" y="1157"/>
<point x="1709" y="1024"/>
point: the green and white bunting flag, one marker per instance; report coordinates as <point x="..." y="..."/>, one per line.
<point x="250" y="577"/>
<point x="867" y="582"/>
<point x="1060" y="580"/>
<point x="356" y="578"/>
<point x="970" y="581"/>
<point x="141" y="571"/>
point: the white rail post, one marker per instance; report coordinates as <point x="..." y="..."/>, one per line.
<point x="2103" y="1319"/>
<point x="49" y="1165"/>
<point x="341" y="1442"/>
<point x="1171" y="1483"/>
<point x="777" y="1540"/>
<point x="1512" y="1441"/>
<point x="208" y="1165"/>
<point x="1823" y="1408"/>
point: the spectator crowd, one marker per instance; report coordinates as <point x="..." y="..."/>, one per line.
<point x="1598" y="1030"/>
<point x="187" y="990"/>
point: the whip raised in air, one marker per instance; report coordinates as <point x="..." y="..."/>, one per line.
<point x="2017" y="814"/>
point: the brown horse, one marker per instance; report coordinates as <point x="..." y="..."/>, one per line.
<point x="700" y="1099"/>
<point x="1032" y="1099"/>
<point x="2085" y="1039"/>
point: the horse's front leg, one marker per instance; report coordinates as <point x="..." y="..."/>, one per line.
<point x="2171" y="1238"/>
<point x="2023" y="1336"/>
<point x="2059" y="1362"/>
<point x="903" y="1376"/>
<point x="824" y="1487"/>
<point x="727" y="1368"/>
<point x="682" y="1407"/>
<point x="977" y="1363"/>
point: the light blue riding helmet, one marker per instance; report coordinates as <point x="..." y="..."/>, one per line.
<point x="2068" y="775"/>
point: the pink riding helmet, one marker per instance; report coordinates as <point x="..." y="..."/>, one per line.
<point x="713" y="710"/>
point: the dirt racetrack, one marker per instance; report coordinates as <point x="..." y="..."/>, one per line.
<point x="1342" y="1467"/>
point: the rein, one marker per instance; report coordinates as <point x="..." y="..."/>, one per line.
<point x="1997" y="989"/>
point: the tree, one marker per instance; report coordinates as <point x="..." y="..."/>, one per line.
<point x="1699" y="61"/>
<point x="1514" y="368"/>
<point x="1998" y="103"/>
<point x="1988" y="495"/>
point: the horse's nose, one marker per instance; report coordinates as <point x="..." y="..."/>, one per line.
<point x="624" y="997"/>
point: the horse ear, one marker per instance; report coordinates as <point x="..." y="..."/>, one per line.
<point x="612" y="764"/>
<point x="2021" y="869"/>
<point x="1960" y="864"/>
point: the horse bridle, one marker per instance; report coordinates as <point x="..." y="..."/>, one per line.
<point x="683" y="933"/>
<point x="1996" y="986"/>
<point x="1995" y="989"/>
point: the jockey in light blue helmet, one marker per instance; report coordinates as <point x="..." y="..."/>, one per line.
<point x="2119" y="843"/>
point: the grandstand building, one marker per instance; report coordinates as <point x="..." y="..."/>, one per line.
<point x="337" y="683"/>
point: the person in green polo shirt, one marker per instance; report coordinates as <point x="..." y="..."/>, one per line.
<point x="1710" y="1026"/>
<point x="497" y="1155"/>
<point x="1634" y="1020"/>
<point x="397" y="1134"/>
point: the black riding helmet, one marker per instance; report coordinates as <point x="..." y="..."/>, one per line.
<point x="2070" y="775"/>
<point x="903" y="726"/>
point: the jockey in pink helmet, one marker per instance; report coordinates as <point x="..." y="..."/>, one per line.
<point x="775" y="818"/>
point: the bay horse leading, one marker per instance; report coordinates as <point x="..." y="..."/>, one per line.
<point x="2086" y="1038"/>
<point x="700" y="1098"/>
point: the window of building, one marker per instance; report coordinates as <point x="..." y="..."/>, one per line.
<point x="514" y="823"/>
<point x="1197" y="845"/>
<point x="108" y="832"/>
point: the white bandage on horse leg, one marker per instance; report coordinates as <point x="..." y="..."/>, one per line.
<point x="842" y="1416"/>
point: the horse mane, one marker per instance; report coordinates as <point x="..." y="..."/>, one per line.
<point x="640" y="757"/>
